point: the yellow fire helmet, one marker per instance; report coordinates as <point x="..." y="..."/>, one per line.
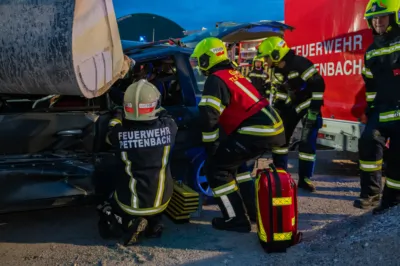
<point x="273" y="47"/>
<point x="376" y="8"/>
<point x="209" y="52"/>
<point x="255" y="59"/>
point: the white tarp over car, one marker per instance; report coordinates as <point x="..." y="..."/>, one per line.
<point x="63" y="47"/>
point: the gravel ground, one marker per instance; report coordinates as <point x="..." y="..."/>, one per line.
<point x="335" y="233"/>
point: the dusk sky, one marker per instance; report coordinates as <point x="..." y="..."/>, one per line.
<point x="193" y="15"/>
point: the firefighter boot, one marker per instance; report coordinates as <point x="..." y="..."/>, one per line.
<point x="109" y="227"/>
<point x="136" y="228"/>
<point x="367" y="202"/>
<point x="155" y="227"/>
<point x="234" y="214"/>
<point x="306" y="184"/>
<point x="390" y="198"/>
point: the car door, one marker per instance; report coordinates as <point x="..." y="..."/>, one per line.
<point x="186" y="114"/>
<point x="235" y="32"/>
<point x="67" y="126"/>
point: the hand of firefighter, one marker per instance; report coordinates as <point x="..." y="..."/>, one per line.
<point x="312" y="116"/>
<point x="309" y="124"/>
<point x="118" y="112"/>
<point x="363" y="119"/>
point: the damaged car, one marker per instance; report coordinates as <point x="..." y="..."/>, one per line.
<point x="52" y="146"/>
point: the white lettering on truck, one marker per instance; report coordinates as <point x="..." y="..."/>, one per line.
<point x="346" y="68"/>
<point x="339" y="45"/>
<point x="347" y="44"/>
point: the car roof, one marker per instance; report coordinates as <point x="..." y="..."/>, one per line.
<point x="151" y="51"/>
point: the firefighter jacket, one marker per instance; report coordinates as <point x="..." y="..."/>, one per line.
<point x="258" y="78"/>
<point x="301" y="84"/>
<point x="144" y="183"/>
<point x="232" y="103"/>
<point x="381" y="74"/>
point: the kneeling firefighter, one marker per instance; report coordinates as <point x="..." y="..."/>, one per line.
<point x="250" y="127"/>
<point x="143" y="139"/>
<point x="300" y="94"/>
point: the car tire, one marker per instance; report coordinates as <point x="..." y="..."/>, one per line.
<point x="197" y="180"/>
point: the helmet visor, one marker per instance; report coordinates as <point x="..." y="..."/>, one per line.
<point x="378" y="15"/>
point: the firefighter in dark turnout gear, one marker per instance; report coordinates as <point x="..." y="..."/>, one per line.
<point x="232" y="107"/>
<point x="381" y="74"/>
<point x="299" y="94"/>
<point x="143" y="139"/>
<point x="257" y="76"/>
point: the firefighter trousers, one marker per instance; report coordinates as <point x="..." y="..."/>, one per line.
<point x="371" y="145"/>
<point x="227" y="181"/>
<point x="307" y="146"/>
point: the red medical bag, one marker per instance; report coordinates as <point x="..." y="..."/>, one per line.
<point x="276" y="200"/>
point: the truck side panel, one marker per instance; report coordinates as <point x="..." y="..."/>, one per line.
<point x="334" y="35"/>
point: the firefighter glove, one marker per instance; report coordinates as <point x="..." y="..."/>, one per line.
<point x="312" y="115"/>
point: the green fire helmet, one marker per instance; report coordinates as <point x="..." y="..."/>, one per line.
<point x="377" y="8"/>
<point x="273" y="47"/>
<point x="260" y="59"/>
<point x="209" y="52"/>
<point x="141" y="101"/>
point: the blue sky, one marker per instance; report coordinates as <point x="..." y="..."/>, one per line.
<point x="192" y="15"/>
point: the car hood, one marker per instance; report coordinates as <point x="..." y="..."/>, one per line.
<point x="128" y="44"/>
<point x="235" y="32"/>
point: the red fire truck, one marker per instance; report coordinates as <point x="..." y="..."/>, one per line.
<point x="334" y="35"/>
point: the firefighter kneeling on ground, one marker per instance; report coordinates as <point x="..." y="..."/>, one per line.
<point x="381" y="74"/>
<point x="300" y="94"/>
<point x="232" y="105"/>
<point x="143" y="139"/>
<point x="257" y="76"/>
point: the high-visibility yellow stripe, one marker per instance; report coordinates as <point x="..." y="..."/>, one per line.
<point x="280" y="150"/>
<point x="394" y="184"/>
<point x="309" y="73"/>
<point x="371" y="166"/>
<point x="389" y="116"/>
<point x="210" y="136"/>
<point x="161" y="178"/>
<point x="255" y="99"/>
<point x="293" y="75"/>
<point x="243" y="177"/>
<point x="370" y="96"/>
<point x="132" y="181"/>
<point x="283" y="236"/>
<point x="382" y="51"/>
<point x="303" y="105"/>
<point x="213" y="102"/>
<point x="306" y="156"/>
<point x="262" y="130"/>
<point x="367" y="73"/>
<point x="317" y="95"/>
<point x="142" y="211"/>
<point x="281" y="96"/>
<point x="225" y="189"/>
<point x="114" y="121"/>
<point x="283" y="201"/>
<point x="261" y="230"/>
<point x="257" y="75"/>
